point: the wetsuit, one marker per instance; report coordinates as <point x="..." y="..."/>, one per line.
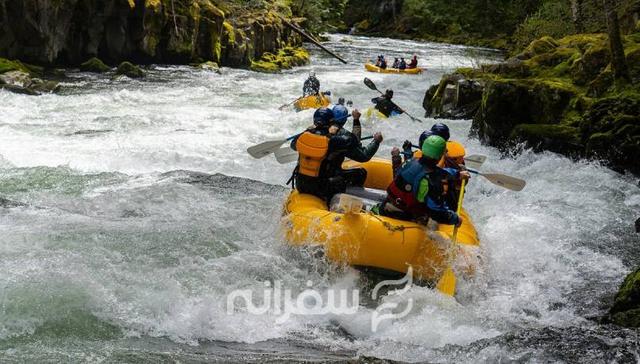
<point x="311" y="86"/>
<point x="386" y="106"/>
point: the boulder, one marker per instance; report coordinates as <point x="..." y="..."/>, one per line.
<point x="507" y="103"/>
<point x="454" y="98"/>
<point x="23" y="83"/>
<point x="130" y="70"/>
<point x="626" y="305"/>
<point x="94" y="65"/>
<point x="556" y="138"/>
<point x="538" y="46"/>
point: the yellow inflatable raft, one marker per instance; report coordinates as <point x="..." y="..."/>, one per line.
<point x="410" y="71"/>
<point x="311" y="102"/>
<point x="372" y="114"/>
<point x="367" y="240"/>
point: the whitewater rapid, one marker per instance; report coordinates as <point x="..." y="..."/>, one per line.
<point x="132" y="210"/>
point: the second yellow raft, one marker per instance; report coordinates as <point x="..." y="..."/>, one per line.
<point x="367" y="240"/>
<point x="311" y="102"/>
<point x="410" y="71"/>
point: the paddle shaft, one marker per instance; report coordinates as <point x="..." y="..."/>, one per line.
<point x="311" y="39"/>
<point x="403" y="110"/>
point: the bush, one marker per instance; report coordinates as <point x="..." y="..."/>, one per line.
<point x="552" y="19"/>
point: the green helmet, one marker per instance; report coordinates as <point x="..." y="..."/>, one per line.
<point x="434" y="147"/>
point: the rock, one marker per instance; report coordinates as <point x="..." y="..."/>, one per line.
<point x="454" y="98"/>
<point x="19" y="90"/>
<point x="130" y="70"/>
<point x="22" y="83"/>
<point x="638" y="225"/>
<point x="507" y="103"/>
<point x="513" y="67"/>
<point x="70" y="32"/>
<point x="626" y="305"/>
<point x="94" y="65"/>
<point x="16" y="78"/>
<point x="556" y="138"/>
<point x="591" y="64"/>
<point x="7" y="65"/>
<point x="286" y="58"/>
<point x="209" y="66"/>
<point x="538" y="46"/>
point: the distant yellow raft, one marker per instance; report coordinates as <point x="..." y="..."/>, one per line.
<point x="311" y="102"/>
<point x="410" y="71"/>
<point x="367" y="240"/>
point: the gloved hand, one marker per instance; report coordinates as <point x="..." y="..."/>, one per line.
<point x="406" y="146"/>
<point x="395" y="152"/>
<point x="378" y="137"/>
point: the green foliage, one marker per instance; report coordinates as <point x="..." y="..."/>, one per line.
<point x="552" y="19"/>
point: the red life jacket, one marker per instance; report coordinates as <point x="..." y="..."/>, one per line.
<point x="403" y="191"/>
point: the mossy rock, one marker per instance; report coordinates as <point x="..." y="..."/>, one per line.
<point x="601" y="84"/>
<point x="130" y="70"/>
<point x="594" y="60"/>
<point x="556" y="138"/>
<point x="582" y="41"/>
<point x="537" y="47"/>
<point x="626" y="306"/>
<point x="552" y="58"/>
<point x="94" y="65"/>
<point x="7" y="65"/>
<point x="287" y="57"/>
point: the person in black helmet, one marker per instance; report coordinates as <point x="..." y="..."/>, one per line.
<point x="385" y="105"/>
<point x="323" y="148"/>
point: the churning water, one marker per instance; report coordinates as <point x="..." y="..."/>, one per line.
<point x="129" y="210"/>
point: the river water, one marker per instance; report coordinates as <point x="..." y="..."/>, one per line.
<point x="129" y="211"/>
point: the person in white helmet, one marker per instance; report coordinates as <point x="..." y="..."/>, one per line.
<point x="311" y="85"/>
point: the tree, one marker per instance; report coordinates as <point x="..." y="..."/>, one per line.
<point x="577" y="15"/>
<point x="618" y="59"/>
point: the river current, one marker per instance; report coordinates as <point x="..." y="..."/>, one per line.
<point x="129" y="210"/>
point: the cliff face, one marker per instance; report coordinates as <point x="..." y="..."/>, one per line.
<point x="68" y="32"/>
<point x="556" y="95"/>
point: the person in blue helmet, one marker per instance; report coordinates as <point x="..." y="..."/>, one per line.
<point x="341" y="114"/>
<point x="322" y="149"/>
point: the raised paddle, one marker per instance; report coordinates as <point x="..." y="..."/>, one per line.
<point x="474" y="161"/>
<point x="372" y="86"/>
<point x="287" y="155"/>
<point x="447" y="283"/>
<point x="265" y="148"/>
<point x="502" y="180"/>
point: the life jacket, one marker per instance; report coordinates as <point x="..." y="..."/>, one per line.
<point x="312" y="150"/>
<point x="403" y="191"/>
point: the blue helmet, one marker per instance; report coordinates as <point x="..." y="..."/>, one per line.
<point x="441" y="130"/>
<point x="340" y="115"/>
<point x="425" y="134"/>
<point x="323" y="117"/>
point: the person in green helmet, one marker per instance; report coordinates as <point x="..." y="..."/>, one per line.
<point x="420" y="189"/>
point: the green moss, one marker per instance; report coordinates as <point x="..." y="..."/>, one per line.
<point x="231" y="34"/>
<point x="130" y="70"/>
<point x="7" y="65"/>
<point x="94" y="65"/>
<point x="287" y="57"/>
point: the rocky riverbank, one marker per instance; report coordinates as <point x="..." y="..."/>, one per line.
<point x="71" y="33"/>
<point x="556" y="95"/>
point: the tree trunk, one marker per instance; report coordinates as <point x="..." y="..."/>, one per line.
<point x="577" y="15"/>
<point x="618" y="59"/>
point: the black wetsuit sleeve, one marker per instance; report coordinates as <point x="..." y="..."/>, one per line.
<point x="352" y="148"/>
<point x="357" y="129"/>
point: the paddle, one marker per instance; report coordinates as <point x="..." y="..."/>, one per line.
<point x="508" y="182"/>
<point x="289" y="104"/>
<point x="372" y="86"/>
<point x="286" y="155"/>
<point x="474" y="161"/>
<point x="263" y="149"/>
<point x="447" y="283"/>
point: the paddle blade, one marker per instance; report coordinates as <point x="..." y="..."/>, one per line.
<point x="286" y="155"/>
<point x="370" y="84"/>
<point x="474" y="161"/>
<point x="508" y="182"/>
<point x="263" y="149"/>
<point x="447" y="283"/>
